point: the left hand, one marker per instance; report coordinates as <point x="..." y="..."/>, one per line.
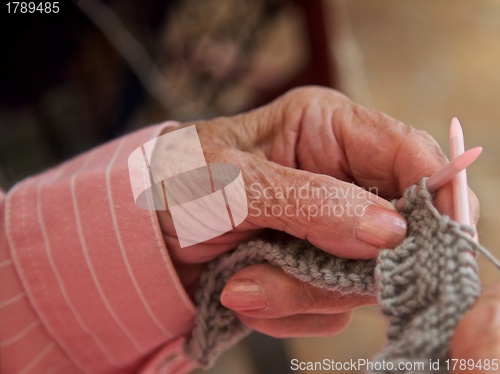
<point x="310" y="138"/>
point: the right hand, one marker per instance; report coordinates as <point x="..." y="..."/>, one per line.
<point x="477" y="336"/>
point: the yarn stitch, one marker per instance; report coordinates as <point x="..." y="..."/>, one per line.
<point x="424" y="286"/>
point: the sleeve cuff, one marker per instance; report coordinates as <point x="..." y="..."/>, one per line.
<point x="94" y="266"/>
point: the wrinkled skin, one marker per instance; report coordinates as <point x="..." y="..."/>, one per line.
<point x="317" y="136"/>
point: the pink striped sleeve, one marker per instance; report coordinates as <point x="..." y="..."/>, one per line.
<point x="87" y="283"/>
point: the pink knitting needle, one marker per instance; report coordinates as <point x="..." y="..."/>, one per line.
<point x="460" y="189"/>
<point x="448" y="172"/>
<point x="460" y="195"/>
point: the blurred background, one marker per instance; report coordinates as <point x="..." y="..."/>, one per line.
<point x="87" y="75"/>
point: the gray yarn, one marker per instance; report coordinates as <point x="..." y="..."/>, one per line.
<point x="424" y="286"/>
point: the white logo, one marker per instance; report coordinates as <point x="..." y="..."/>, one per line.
<point x="205" y="200"/>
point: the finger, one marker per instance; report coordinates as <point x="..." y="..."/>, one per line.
<point x="377" y="150"/>
<point x="336" y="216"/>
<point x="266" y="292"/>
<point x="477" y="336"/>
<point x="335" y="136"/>
<point x="322" y="131"/>
<point x="322" y="325"/>
<point x="407" y="153"/>
<point x="327" y="133"/>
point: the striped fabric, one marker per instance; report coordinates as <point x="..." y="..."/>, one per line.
<point x="86" y="281"/>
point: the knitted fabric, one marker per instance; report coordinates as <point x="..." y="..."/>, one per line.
<point x="424" y="286"/>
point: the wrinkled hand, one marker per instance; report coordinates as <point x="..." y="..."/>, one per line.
<point x="312" y="140"/>
<point x="477" y="337"/>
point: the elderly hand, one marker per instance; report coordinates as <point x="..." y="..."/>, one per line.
<point x="309" y="141"/>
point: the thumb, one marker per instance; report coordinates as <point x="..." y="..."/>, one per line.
<point x="336" y="216"/>
<point x="477" y="337"/>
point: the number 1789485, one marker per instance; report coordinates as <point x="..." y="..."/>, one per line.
<point x="32" y="7"/>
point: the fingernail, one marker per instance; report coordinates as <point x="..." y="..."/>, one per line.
<point x="243" y="294"/>
<point x="381" y="227"/>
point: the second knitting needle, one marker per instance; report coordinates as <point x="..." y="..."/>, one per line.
<point x="460" y="190"/>
<point x="448" y="172"/>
